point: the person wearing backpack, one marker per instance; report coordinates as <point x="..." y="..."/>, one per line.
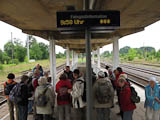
<point x="77" y="93"/>
<point x="118" y="72"/>
<point x="23" y="95"/>
<point x="63" y="97"/>
<point x="30" y="91"/>
<point x="43" y="100"/>
<point x="126" y="104"/>
<point x="103" y="95"/>
<point x="8" y="86"/>
<point x="152" y="103"/>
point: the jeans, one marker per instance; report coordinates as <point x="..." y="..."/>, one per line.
<point x="44" y="117"/>
<point x="30" y="104"/>
<point x="11" y="106"/>
<point x="64" y="112"/>
<point x="103" y="113"/>
<point x="127" y="115"/>
<point x="22" y="112"/>
<point x="151" y="114"/>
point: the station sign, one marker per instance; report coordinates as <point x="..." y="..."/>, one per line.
<point x="68" y="20"/>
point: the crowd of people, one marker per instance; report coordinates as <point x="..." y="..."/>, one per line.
<point x="35" y="94"/>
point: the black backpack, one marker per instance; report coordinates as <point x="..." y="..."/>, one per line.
<point x="42" y="99"/>
<point x="8" y="88"/>
<point x="134" y="96"/>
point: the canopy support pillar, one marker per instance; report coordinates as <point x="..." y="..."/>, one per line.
<point x="115" y="52"/>
<point x="52" y="53"/>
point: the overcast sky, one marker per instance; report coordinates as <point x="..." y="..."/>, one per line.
<point x="149" y="37"/>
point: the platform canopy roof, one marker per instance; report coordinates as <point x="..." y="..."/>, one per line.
<point x="38" y="17"/>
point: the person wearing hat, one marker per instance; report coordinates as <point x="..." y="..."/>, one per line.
<point x="152" y="103"/>
<point x="126" y="105"/>
<point x="103" y="95"/>
<point x="8" y="85"/>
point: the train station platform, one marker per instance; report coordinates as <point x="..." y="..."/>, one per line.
<point x="139" y="113"/>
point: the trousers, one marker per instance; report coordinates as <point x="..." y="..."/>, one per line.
<point x="11" y="107"/>
<point x="152" y="114"/>
<point x="64" y="112"/>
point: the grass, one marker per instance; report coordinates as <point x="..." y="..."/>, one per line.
<point x="16" y="69"/>
<point x="80" y="60"/>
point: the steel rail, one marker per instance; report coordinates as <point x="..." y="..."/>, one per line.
<point x="134" y="78"/>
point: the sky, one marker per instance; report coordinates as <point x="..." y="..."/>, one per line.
<point x="149" y="37"/>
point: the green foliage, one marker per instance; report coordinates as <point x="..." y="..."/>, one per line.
<point x="8" y="47"/>
<point x="158" y="55"/>
<point x="60" y="55"/>
<point x="35" y="51"/>
<point x="1" y="56"/>
<point x="44" y="49"/>
<point x="19" y="51"/>
<point x="124" y="50"/>
<point x="26" y="59"/>
<point x="15" y="61"/>
<point x="106" y="54"/>
<point x="6" y="58"/>
<point x="147" y="49"/>
<point x="1" y="67"/>
<point x="131" y="54"/>
<point x="147" y="53"/>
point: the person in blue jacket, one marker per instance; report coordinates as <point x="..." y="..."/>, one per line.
<point x="39" y="67"/>
<point x="152" y="103"/>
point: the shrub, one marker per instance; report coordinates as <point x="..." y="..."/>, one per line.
<point x="15" y="61"/>
<point x="1" y="67"/>
<point x="26" y="59"/>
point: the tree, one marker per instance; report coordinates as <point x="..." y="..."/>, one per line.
<point x="124" y="50"/>
<point x="132" y="54"/>
<point x="106" y="54"/>
<point x="6" y="58"/>
<point x="60" y="55"/>
<point x="158" y="55"/>
<point x="35" y="51"/>
<point x="45" y="50"/>
<point x="19" y="51"/>
<point x="8" y="48"/>
<point x="1" y="55"/>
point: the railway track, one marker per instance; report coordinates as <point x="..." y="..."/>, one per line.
<point x="139" y="80"/>
<point x="2" y="97"/>
<point x="140" y="69"/>
<point x="147" y="64"/>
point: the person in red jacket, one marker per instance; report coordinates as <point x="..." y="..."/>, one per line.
<point x="118" y="72"/>
<point x="63" y="97"/>
<point x="126" y="105"/>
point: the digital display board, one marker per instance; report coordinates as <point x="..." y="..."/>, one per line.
<point x="92" y="19"/>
